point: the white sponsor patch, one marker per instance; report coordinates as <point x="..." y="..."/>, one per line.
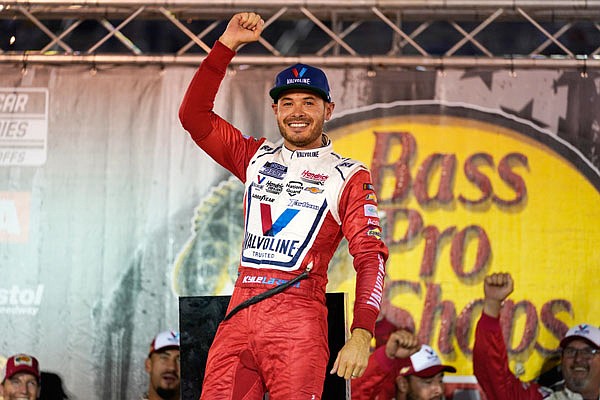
<point x="374" y="222"/>
<point x="371" y="211"/>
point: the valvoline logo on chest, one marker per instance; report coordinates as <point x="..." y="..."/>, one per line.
<point x="270" y="227"/>
<point x="279" y="233"/>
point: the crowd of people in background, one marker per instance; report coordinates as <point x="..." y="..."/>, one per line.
<point x="22" y="379"/>
<point x="399" y="368"/>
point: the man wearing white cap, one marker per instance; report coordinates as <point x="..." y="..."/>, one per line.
<point x="421" y="376"/>
<point x="162" y="365"/>
<point x="580" y="359"/>
<point x="417" y="370"/>
<point x="20" y="378"/>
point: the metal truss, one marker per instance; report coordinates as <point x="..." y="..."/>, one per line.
<point x="370" y="33"/>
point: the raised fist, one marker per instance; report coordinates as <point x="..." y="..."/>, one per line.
<point x="498" y="286"/>
<point x="243" y="28"/>
<point x="401" y="344"/>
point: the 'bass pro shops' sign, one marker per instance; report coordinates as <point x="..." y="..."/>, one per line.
<point x="464" y="193"/>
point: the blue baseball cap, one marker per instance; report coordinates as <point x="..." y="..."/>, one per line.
<point x="301" y="76"/>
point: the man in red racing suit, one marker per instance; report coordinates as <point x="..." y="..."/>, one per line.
<point x="301" y="198"/>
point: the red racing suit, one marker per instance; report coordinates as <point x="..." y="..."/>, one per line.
<point x="298" y="205"/>
<point x="379" y="380"/>
<point x="490" y="366"/>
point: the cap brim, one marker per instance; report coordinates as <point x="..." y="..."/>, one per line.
<point x="431" y="371"/>
<point x="569" y="339"/>
<point x="24" y="370"/>
<point x="164" y="348"/>
<point x="275" y="93"/>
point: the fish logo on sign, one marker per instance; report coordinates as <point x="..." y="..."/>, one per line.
<point x="271" y="228"/>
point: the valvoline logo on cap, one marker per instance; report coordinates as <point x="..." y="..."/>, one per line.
<point x="582" y="329"/>
<point x="424" y="363"/>
<point x="303" y="77"/>
<point x="298" y="74"/>
<point x="164" y="340"/>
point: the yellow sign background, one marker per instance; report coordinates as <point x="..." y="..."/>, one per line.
<point x="548" y="242"/>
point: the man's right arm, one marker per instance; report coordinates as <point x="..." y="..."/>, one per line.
<point x="490" y="360"/>
<point x="200" y="95"/>
<point x="221" y="140"/>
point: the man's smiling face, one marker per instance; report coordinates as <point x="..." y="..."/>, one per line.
<point x="300" y="117"/>
<point x="581" y="367"/>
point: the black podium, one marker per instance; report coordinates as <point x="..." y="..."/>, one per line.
<point x="199" y="317"/>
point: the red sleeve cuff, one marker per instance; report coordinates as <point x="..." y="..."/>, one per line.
<point x="364" y="317"/>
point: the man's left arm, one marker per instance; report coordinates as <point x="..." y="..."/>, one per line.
<point x="361" y="227"/>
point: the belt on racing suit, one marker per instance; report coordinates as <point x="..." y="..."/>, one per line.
<point x="269" y="293"/>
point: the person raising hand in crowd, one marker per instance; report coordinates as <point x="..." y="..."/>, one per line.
<point x="580" y="360"/>
<point x="402" y="370"/>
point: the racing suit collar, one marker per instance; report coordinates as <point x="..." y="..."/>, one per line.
<point x="326" y="148"/>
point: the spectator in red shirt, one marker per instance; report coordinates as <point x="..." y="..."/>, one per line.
<point x="402" y="370"/>
<point x="580" y="355"/>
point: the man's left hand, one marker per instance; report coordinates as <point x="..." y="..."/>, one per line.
<point x="352" y="360"/>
